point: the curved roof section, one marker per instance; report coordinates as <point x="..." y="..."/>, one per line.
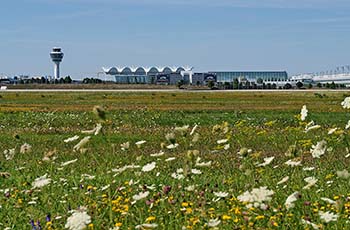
<point x="144" y="70"/>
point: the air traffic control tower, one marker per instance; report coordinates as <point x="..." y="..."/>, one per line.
<point x="56" y="56"/>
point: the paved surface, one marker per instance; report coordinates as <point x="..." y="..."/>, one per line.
<point x="171" y="90"/>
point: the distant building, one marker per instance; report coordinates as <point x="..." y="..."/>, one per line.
<point x="171" y="76"/>
<point x="230" y="76"/>
<point x="203" y="78"/>
<point x="152" y="75"/>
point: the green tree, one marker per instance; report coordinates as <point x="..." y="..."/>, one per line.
<point x="235" y="84"/>
<point x="68" y="80"/>
<point x="332" y="85"/>
<point x="211" y="84"/>
<point x="259" y="81"/>
<point x="180" y="83"/>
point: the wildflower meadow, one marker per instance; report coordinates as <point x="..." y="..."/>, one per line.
<point x="157" y="160"/>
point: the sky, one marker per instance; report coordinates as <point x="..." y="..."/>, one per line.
<point x="299" y="36"/>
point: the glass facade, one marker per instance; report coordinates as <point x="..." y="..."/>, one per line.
<point x="251" y="76"/>
<point x="134" y="79"/>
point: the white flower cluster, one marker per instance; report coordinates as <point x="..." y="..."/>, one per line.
<point x="311" y="181"/>
<point x="319" y="149"/>
<point x="267" y="161"/>
<point x="346" y="103"/>
<point x="41" y="181"/>
<point x="328" y="216"/>
<point x="78" y="220"/>
<point x="291" y="199"/>
<point x="140" y="196"/>
<point x="149" y="167"/>
<point x="9" y="154"/>
<point x="303" y="113"/>
<point x="257" y="197"/>
<point x="25" y="148"/>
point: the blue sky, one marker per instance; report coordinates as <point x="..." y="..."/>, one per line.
<point x="294" y="35"/>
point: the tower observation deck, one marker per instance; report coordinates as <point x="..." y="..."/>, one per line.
<point x="56" y="56"/>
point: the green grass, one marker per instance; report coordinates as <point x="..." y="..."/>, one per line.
<point x="266" y="123"/>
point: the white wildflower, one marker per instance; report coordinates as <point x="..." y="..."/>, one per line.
<point x="311" y="181"/>
<point x="306" y="222"/>
<point x="267" y="161"/>
<point x="190" y="188"/>
<point x="344" y="174"/>
<point x="196" y="171"/>
<point x="328" y="216"/>
<point x="25" y="148"/>
<point x="149" y="167"/>
<point x="105" y="187"/>
<point x="170" y="159"/>
<point x="227" y="146"/>
<point x="308" y="128"/>
<point x="193" y="129"/>
<point x="140" y="196"/>
<point x="319" y="149"/>
<point x="308" y="168"/>
<point x="68" y="162"/>
<point x="303" y="113"/>
<point x="41" y="181"/>
<point x="291" y="199"/>
<point x="94" y="131"/>
<point x="125" y="146"/>
<point x="256" y="197"/>
<point x="284" y="180"/>
<point x="146" y="226"/>
<point x="78" y="220"/>
<point x="81" y="144"/>
<point x="293" y="163"/>
<point x="195" y="138"/>
<point x="329" y="201"/>
<point x="222" y="141"/>
<point x="161" y="153"/>
<point x="76" y="137"/>
<point x="213" y="223"/>
<point x="347" y="125"/>
<point x="172" y="146"/>
<point x="84" y="176"/>
<point x="221" y="194"/>
<point x="331" y="131"/>
<point x="202" y="164"/>
<point x="9" y="154"/>
<point x="139" y="143"/>
<point x="177" y="176"/>
<point x="346" y="103"/>
<point x="122" y="169"/>
<point x="182" y="129"/>
<point x="98" y="129"/>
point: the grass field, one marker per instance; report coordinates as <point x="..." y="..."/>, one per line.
<point x="174" y="161"/>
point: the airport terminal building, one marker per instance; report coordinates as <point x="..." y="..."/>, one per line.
<point x="173" y="75"/>
<point x="150" y="75"/>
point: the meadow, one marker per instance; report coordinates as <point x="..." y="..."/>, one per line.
<point x="179" y="160"/>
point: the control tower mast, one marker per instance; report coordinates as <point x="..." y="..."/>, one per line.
<point x="56" y="56"/>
